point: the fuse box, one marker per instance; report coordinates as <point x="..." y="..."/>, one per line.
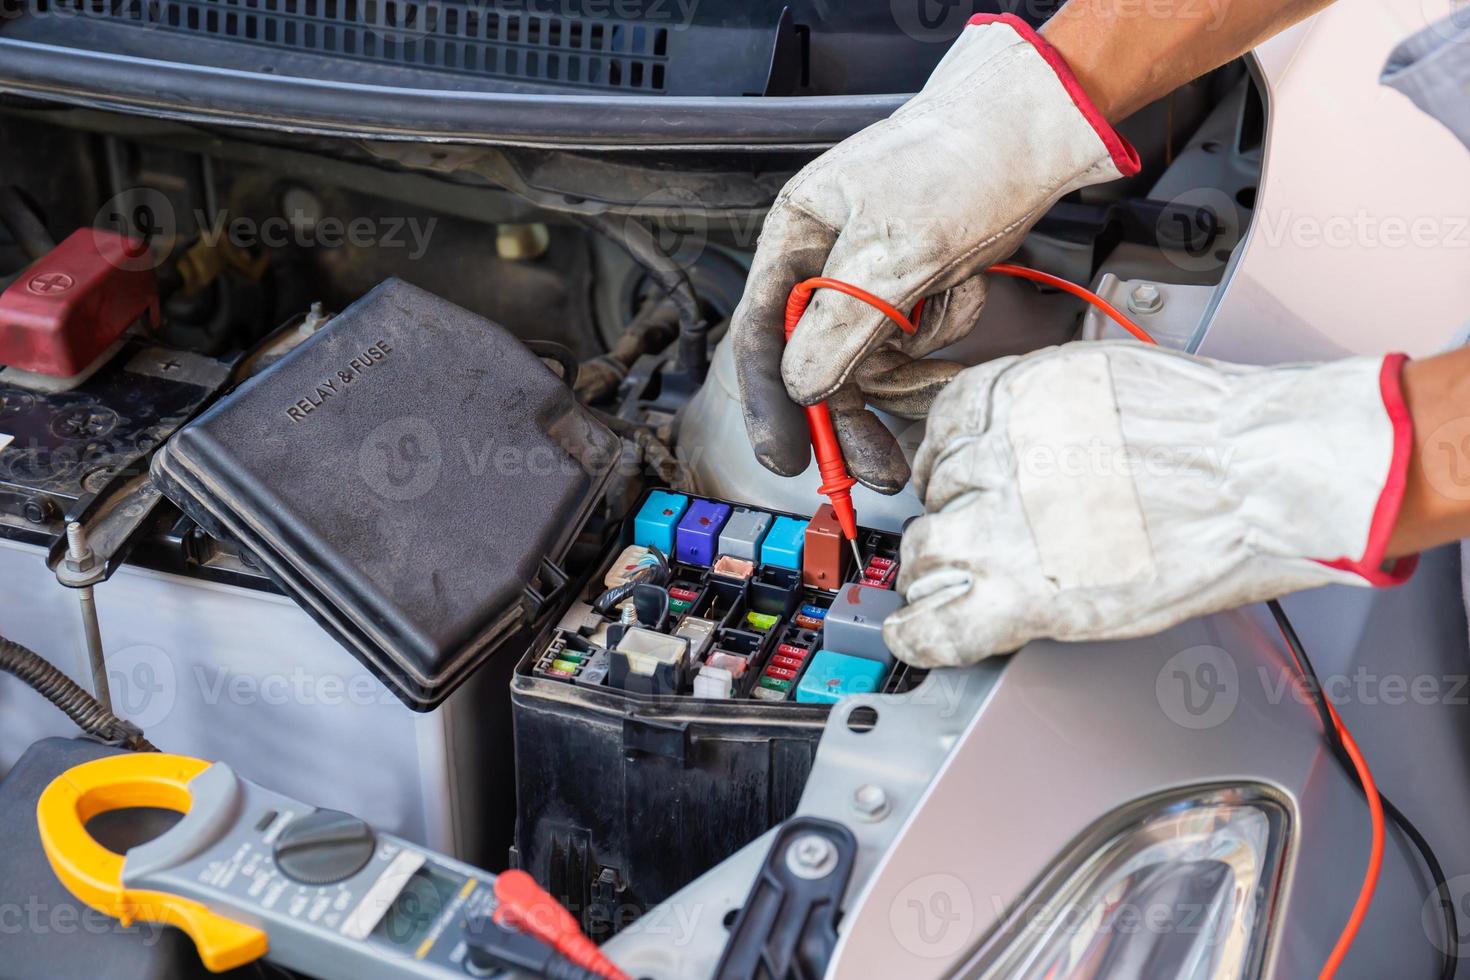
<point x="759" y="622"/>
<point x="673" y="712"/>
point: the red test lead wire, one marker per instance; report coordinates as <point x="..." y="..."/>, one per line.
<point x="525" y="905"/>
<point x="837" y="482"/>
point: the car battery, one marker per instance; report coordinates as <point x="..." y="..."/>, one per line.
<point x="412" y="474"/>
<point x="61" y="449"/>
<point x="632" y="782"/>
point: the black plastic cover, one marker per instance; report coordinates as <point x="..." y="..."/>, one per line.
<point x="410" y="474"/>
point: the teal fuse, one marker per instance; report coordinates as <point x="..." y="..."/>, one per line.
<point x="657" y="518"/>
<point x="783" y="542"/>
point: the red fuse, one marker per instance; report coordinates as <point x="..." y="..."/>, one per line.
<point x="688" y="595"/>
<point x="780" y="673"/>
<point x="792" y="650"/>
<point x="879" y="563"/>
<point x="786" y="663"/>
<point x="70" y="306"/>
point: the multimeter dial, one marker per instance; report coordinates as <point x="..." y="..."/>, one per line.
<point x="324" y="846"/>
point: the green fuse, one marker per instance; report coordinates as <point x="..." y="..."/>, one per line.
<point x="564" y="667"/>
<point x="761" y="621"/>
<point x="775" y="684"/>
<point x="570" y="656"/>
<point x="679" y="607"/>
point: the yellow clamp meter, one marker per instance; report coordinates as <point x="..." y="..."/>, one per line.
<point x="247" y="872"/>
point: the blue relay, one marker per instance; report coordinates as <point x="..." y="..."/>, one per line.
<point x="830" y="677"/>
<point x="657" y="518"/>
<point x="784" y="542"/>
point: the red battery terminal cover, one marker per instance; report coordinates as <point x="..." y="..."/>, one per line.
<point x="70" y="306"/>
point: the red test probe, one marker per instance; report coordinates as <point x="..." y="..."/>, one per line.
<point x="837" y="482"/>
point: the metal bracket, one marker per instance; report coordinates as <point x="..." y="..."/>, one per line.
<point x="110" y="523"/>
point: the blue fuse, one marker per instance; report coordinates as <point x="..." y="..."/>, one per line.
<point x="657" y="518"/>
<point x="830" y="677"/>
<point x="815" y="612"/>
<point x="699" y="532"/>
<point x="784" y="542"/>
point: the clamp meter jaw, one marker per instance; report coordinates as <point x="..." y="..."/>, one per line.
<point x="247" y="871"/>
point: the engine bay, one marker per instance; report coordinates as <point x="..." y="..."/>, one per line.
<point x="410" y="478"/>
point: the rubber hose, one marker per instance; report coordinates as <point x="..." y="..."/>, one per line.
<point x="638" y="242"/>
<point x="26" y="228"/>
<point x="88" y="713"/>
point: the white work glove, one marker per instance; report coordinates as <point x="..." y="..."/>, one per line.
<point x="1108" y="490"/>
<point x="914" y="206"/>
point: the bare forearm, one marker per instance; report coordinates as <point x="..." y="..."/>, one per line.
<point x="1126" y="53"/>
<point x="1436" y="507"/>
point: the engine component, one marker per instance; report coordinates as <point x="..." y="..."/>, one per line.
<point x="784" y="543"/>
<point x="693" y="727"/>
<point x="744" y="532"/>
<point x="824" y="555"/>
<point x="65" y="312"/>
<point x="62" y="450"/>
<point x="854" y="624"/>
<point x="411" y="474"/>
<point x="833" y="676"/>
<point x="657" y="518"/>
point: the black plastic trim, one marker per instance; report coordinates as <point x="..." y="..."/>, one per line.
<point x="223" y="96"/>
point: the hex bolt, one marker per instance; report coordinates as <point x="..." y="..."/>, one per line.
<point x="811" y="856"/>
<point x="38" y="509"/>
<point x="870" y="801"/>
<point x="1146" y="298"/>
<point x="80" y="558"/>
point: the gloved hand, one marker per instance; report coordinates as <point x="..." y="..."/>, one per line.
<point x="914" y="206"/>
<point x="1108" y="490"/>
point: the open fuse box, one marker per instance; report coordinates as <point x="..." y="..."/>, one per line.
<point x="713" y="600"/>
<point x="672" y="714"/>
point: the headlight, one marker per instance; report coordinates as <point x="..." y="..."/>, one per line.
<point x="1179" y="888"/>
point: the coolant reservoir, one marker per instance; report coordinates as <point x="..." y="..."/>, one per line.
<point x="713" y="443"/>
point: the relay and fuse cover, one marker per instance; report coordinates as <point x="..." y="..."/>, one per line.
<point x="410" y="474"/>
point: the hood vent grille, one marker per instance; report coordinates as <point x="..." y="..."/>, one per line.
<point x="469" y="39"/>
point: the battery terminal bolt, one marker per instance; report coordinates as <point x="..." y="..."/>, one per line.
<point x="79" y="555"/>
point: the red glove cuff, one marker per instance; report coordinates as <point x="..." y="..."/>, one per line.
<point x="1386" y="513"/>
<point x="1125" y="157"/>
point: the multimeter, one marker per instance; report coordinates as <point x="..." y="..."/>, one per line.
<point x="248" y="872"/>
